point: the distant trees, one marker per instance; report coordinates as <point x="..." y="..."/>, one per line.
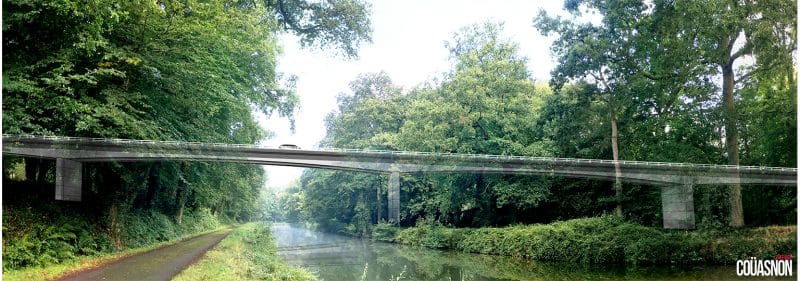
<point x="486" y="104"/>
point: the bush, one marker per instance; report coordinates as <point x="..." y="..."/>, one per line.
<point x="54" y="233"/>
<point x="384" y="232"/>
<point x="142" y="228"/>
<point x="430" y="235"/>
<point x="32" y="237"/>
<point x="198" y="221"/>
<point x="603" y="240"/>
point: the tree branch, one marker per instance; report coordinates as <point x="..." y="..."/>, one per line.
<point x="755" y="71"/>
<point x="289" y="22"/>
<point x="747" y="49"/>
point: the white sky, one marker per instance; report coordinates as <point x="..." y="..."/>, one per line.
<point x="408" y="44"/>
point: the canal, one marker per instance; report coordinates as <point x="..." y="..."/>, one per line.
<point x="336" y="258"/>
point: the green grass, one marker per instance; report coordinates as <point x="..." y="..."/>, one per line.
<point x="603" y="240"/>
<point x="53" y="272"/>
<point x="248" y="253"/>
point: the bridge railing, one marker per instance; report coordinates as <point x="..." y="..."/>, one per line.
<point x="356" y="152"/>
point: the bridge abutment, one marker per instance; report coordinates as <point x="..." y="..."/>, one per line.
<point x="677" y="206"/>
<point x="69" y="178"/>
<point x="393" y="197"/>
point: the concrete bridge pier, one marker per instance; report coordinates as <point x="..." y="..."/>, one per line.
<point x="393" y="197"/>
<point x="69" y="178"/>
<point x="677" y="206"/>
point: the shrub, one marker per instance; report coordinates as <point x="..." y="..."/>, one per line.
<point x="384" y="232"/>
<point x="606" y="239"/>
<point x="32" y="237"/>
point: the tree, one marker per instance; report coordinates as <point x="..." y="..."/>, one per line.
<point x="366" y="118"/>
<point x="342" y="24"/>
<point x="146" y="70"/>
<point x="674" y="48"/>
<point x="372" y="111"/>
<point x="722" y="32"/>
<point x="487" y="104"/>
<point x="600" y="55"/>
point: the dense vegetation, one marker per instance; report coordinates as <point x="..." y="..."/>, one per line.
<point x="601" y="240"/>
<point x="646" y="81"/>
<point x="160" y="70"/>
<point x="248" y="253"/>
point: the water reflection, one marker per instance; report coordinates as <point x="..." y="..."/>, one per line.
<point x="335" y="257"/>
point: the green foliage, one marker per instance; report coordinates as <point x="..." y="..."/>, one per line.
<point x="47" y="233"/>
<point x="342" y="25"/>
<point x="35" y="238"/>
<point x="247" y="253"/>
<point x="603" y="240"/>
<point x="164" y="70"/>
<point x="628" y="69"/>
<point x="147" y="70"/>
<point x="486" y="104"/>
<point x="341" y="202"/>
<point x="430" y="235"/>
<point x="142" y="228"/>
<point x="384" y="232"/>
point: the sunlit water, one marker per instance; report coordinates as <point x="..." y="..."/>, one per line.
<point x="340" y="258"/>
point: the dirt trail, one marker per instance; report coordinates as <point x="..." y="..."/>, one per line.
<point x="159" y="264"/>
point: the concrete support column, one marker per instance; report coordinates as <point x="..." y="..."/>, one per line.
<point x="677" y="206"/>
<point x="68" y="180"/>
<point x="393" y="197"/>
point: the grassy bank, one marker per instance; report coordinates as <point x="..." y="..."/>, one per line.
<point x="248" y="253"/>
<point x="602" y="240"/>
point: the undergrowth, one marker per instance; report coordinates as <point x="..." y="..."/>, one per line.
<point x="601" y="240"/>
<point x="55" y="233"/>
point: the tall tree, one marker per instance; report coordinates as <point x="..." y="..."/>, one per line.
<point x="174" y="70"/>
<point x="367" y="117"/>
<point x="723" y="32"/>
<point x="599" y="54"/>
<point x="486" y="104"/>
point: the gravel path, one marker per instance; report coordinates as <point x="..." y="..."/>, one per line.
<point x="158" y="264"/>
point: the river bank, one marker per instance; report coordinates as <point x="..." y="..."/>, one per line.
<point x="601" y="240"/>
<point x="248" y="253"/>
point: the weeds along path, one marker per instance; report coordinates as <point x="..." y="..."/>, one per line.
<point x="159" y="264"/>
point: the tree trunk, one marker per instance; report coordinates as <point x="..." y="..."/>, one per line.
<point x="180" y="201"/>
<point x="617" y="172"/>
<point x="114" y="227"/>
<point x="732" y="144"/>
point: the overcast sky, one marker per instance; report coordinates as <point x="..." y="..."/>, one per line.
<point x="408" y="44"/>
